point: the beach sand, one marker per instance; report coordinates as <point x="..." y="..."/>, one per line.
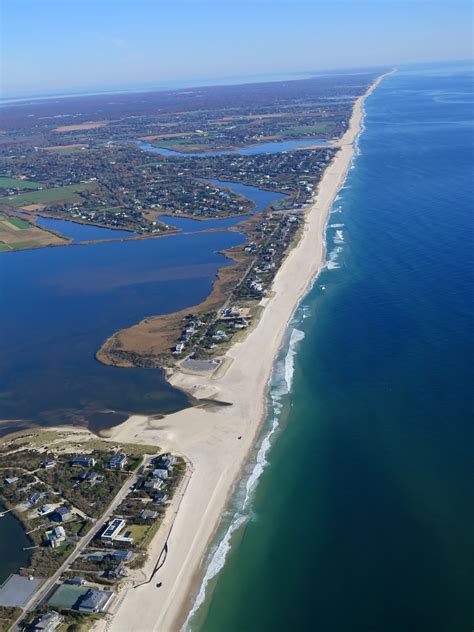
<point x="209" y="438"/>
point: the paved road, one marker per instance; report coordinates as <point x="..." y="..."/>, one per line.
<point x="81" y="545"/>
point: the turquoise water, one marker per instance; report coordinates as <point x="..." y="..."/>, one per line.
<point x="363" y="518"/>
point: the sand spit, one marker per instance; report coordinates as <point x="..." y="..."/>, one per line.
<point x="217" y="441"/>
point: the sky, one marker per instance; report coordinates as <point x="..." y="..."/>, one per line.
<point x="61" y="45"/>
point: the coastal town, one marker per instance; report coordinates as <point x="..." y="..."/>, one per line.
<point x="99" y="513"/>
<point x="90" y="516"/>
<point x="131" y="172"/>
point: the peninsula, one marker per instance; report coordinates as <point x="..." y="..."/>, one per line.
<point x="165" y="504"/>
<point x="218" y="440"/>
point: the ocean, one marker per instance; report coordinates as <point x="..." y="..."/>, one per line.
<point x="356" y="509"/>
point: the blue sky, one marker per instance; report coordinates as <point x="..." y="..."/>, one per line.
<point x="58" y="45"/>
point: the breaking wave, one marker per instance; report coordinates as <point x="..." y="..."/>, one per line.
<point x="239" y="514"/>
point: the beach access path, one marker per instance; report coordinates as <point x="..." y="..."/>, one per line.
<point x="218" y="440"/>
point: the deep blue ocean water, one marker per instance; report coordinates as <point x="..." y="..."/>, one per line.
<point x="363" y="518"/>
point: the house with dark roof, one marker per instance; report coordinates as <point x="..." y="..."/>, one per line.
<point x="83" y="460"/>
<point x="95" y="601"/>
<point x="62" y="514"/>
<point x="117" y="462"/>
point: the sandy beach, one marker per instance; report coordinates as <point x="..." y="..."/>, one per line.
<point x="210" y="438"/>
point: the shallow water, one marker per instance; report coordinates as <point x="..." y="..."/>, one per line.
<point x="63" y="304"/>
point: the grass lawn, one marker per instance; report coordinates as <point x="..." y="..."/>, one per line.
<point x="68" y="193"/>
<point x="16" y="183"/>
<point x="137" y="532"/>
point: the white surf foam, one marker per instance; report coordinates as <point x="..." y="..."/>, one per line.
<point x="282" y="380"/>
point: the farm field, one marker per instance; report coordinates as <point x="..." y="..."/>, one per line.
<point x="16" y="234"/>
<point x="46" y="196"/>
<point x="18" y="183"/>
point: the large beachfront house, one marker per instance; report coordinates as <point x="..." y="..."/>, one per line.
<point x="113" y="529"/>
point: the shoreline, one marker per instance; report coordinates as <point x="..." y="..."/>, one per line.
<point x="218" y="442"/>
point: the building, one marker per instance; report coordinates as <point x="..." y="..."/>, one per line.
<point x="153" y="486"/>
<point x="48" y="463"/>
<point x="45" y="509"/>
<point x="62" y="514"/>
<point x="83" y="460"/>
<point x="159" y="473"/>
<point x="147" y="514"/>
<point x="91" y="477"/>
<point x="47" y="622"/>
<point x="113" y="529"/>
<point x="95" y="601"/>
<point x="165" y="461"/>
<point x="121" y="554"/>
<point x="55" y="536"/>
<point x="11" y="480"/>
<point x="77" y="580"/>
<point x="117" y="462"/>
<point x="178" y="348"/>
<point x="118" y="571"/>
<point x="160" y="498"/>
<point x="35" y="497"/>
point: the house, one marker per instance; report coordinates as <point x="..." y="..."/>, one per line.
<point x="165" y="461"/>
<point x="45" y="509"/>
<point x="91" y="477"/>
<point x="11" y="480"/>
<point x="147" y="514"/>
<point x="159" y="473"/>
<point x="62" y="514"/>
<point x="117" y="462"/>
<point x="55" y="536"/>
<point x="47" y="622"/>
<point x="160" y="498"/>
<point x="77" y="580"/>
<point x="83" y="460"/>
<point x="47" y="464"/>
<point x="118" y="571"/>
<point x="151" y="486"/>
<point x="122" y="555"/>
<point x="178" y="348"/>
<point x="35" y="497"/>
<point x="95" y="601"/>
<point x="113" y="529"/>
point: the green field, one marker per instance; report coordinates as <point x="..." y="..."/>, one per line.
<point x="16" y="183"/>
<point x="4" y="247"/>
<point x="46" y="196"/>
<point x="19" y="223"/>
